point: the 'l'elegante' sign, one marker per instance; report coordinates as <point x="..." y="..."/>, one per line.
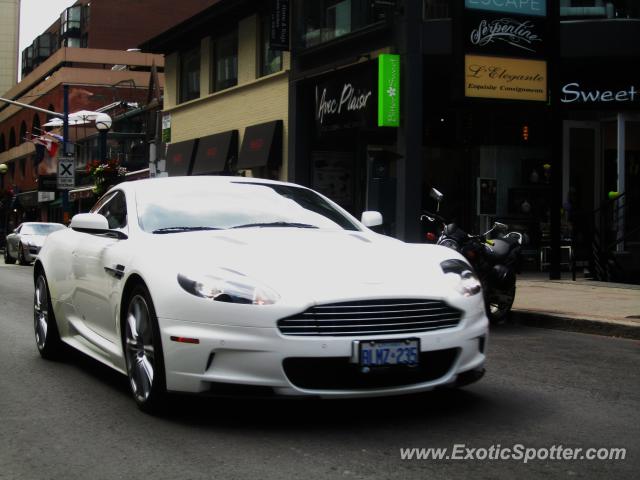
<point x="505" y="78"/>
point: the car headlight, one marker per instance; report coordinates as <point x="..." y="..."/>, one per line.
<point x="224" y="285"/>
<point x="462" y="276"/>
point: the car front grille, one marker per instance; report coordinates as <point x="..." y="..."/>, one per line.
<point x="372" y="317"/>
<point x="338" y="373"/>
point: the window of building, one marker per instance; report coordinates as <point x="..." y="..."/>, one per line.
<point x="23" y="133"/>
<point x="434" y="9"/>
<point x="12" y="138"/>
<point x="73" y="42"/>
<point x="189" y="80"/>
<point x="35" y="125"/>
<point x="23" y="168"/>
<point x="3" y="145"/>
<point x="225" y="61"/>
<point x="270" y="60"/>
<point x="70" y="20"/>
<point x="600" y="8"/>
<point x="321" y="21"/>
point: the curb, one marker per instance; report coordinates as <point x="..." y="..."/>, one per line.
<point x="581" y="325"/>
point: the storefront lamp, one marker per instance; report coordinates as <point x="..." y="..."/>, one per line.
<point x="103" y="124"/>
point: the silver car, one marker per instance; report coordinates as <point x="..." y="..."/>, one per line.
<point x="25" y="242"/>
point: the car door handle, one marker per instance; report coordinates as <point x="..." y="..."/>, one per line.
<point x="117" y="271"/>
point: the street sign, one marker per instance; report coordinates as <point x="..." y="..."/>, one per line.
<point x="66" y="173"/>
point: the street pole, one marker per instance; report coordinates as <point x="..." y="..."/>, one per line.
<point x="65" y="149"/>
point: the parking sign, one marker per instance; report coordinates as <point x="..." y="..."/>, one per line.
<point x="66" y="173"/>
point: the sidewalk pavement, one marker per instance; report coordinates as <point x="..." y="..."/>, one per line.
<point x="582" y="305"/>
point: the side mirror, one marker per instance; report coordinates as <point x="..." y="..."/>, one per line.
<point x="501" y="227"/>
<point x="371" y="219"/>
<point x="89" y="223"/>
<point x="436" y="195"/>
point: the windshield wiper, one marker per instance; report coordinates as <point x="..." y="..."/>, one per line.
<point x="183" y="229"/>
<point x="276" y="224"/>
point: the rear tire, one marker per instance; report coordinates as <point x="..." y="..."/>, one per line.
<point x="8" y="259"/>
<point x="499" y="303"/>
<point x="143" y="353"/>
<point x="44" y="322"/>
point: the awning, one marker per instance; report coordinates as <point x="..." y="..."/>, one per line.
<point x="179" y="156"/>
<point x="28" y="199"/>
<point x="261" y="146"/>
<point x="214" y="153"/>
<point x="80" y="193"/>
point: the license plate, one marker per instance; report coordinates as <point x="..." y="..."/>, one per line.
<point x="388" y="352"/>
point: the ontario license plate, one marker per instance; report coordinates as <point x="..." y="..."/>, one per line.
<point x="389" y="352"/>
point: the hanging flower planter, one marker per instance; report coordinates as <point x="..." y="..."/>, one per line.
<point x="105" y="175"/>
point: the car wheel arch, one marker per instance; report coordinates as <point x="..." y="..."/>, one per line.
<point x="132" y="281"/>
<point x="37" y="269"/>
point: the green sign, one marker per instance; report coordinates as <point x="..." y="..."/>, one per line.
<point x="166" y="128"/>
<point x="389" y="90"/>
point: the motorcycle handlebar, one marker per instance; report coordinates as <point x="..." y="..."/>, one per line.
<point x="432" y="217"/>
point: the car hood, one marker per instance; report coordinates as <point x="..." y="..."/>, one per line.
<point x="35" y="240"/>
<point x="321" y="264"/>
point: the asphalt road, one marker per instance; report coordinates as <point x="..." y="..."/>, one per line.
<point x="75" y="420"/>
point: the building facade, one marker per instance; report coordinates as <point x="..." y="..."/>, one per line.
<point x="108" y="25"/>
<point x="91" y="87"/>
<point x="522" y="112"/>
<point x="226" y="96"/>
<point x="9" y="33"/>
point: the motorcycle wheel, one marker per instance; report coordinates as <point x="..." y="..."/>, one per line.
<point x="499" y="303"/>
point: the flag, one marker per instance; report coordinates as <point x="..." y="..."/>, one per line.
<point x="49" y="144"/>
<point x="57" y="137"/>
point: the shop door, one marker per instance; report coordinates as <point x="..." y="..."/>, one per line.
<point x="581" y="185"/>
<point x="381" y="185"/>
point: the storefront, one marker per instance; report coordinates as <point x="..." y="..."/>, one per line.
<point x="601" y="155"/>
<point x="351" y="158"/>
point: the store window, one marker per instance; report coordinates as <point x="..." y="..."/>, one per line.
<point x="435" y="9"/>
<point x="321" y="21"/>
<point x="225" y="61"/>
<point x="600" y="8"/>
<point x="270" y="60"/>
<point x="189" y="80"/>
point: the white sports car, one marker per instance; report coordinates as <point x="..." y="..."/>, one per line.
<point x="229" y="285"/>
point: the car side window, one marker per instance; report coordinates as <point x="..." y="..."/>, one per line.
<point x="115" y="211"/>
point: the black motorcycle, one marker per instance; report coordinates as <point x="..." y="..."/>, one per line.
<point x="494" y="255"/>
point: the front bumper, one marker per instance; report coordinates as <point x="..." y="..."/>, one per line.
<point x="263" y="357"/>
<point x="31" y="253"/>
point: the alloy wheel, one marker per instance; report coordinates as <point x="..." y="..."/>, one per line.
<point x="139" y="352"/>
<point x="41" y="312"/>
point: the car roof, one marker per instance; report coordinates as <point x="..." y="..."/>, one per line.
<point x="196" y="180"/>
<point x="41" y="223"/>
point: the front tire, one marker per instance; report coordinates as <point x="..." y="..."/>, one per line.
<point x="22" y="260"/>
<point x="499" y="303"/>
<point x="143" y="352"/>
<point x="8" y="259"/>
<point x="44" y="322"/>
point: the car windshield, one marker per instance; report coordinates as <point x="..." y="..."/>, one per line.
<point x="40" y="228"/>
<point x="210" y="206"/>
